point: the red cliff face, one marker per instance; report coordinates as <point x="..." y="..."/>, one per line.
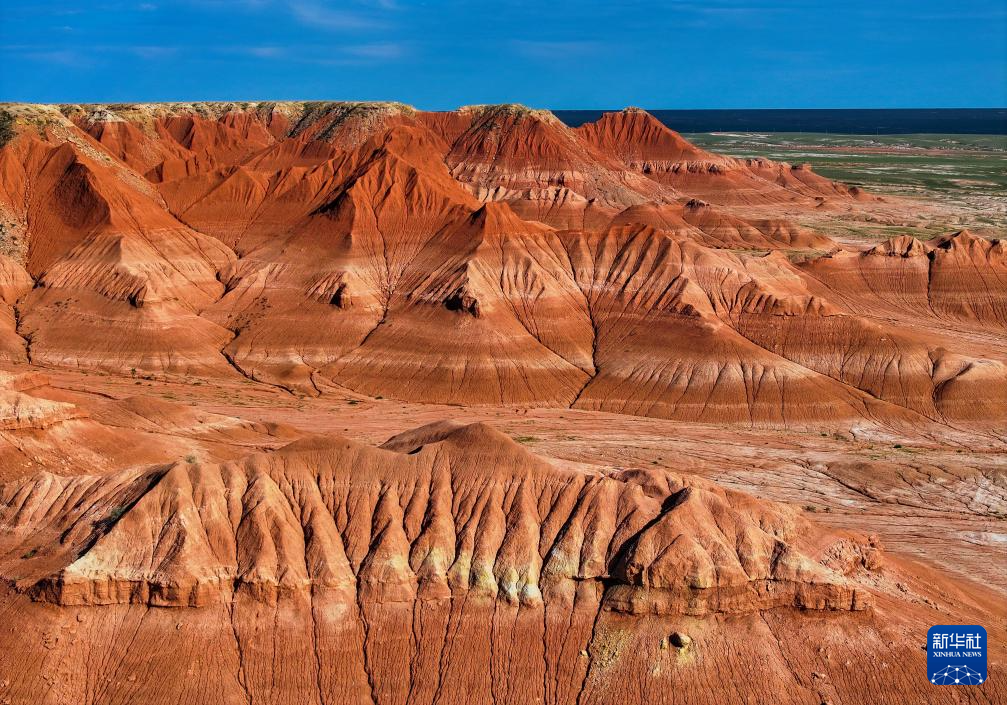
<point x="393" y="571"/>
<point x="154" y="547"/>
<point x="448" y="564"/>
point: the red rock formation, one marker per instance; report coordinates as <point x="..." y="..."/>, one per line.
<point x="466" y="541"/>
<point x="641" y="141"/>
<point x="452" y="564"/>
<point x="492" y="256"/>
<point x="507" y="320"/>
<point x="333" y="515"/>
<point x="15" y="282"/>
<point x="363" y="259"/>
<point x="648" y="147"/>
<point x="538" y="165"/>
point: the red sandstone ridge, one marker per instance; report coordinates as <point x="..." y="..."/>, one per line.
<point x="540" y="166"/>
<point x="449" y="564"/>
<point x="328" y="246"/>
<point x="641" y="141"/>
<point x="669" y="546"/>
<point x="713" y="227"/>
<point x="452" y="551"/>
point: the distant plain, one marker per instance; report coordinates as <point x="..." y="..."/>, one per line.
<point x="966" y="174"/>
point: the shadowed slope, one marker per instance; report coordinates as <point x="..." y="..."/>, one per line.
<point x="108" y="257"/>
<point x="311" y="295"/>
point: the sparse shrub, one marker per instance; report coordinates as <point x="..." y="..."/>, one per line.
<point x="6" y="127"/>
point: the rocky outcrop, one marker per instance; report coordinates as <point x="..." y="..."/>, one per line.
<point x="449" y="565"/>
<point x="20" y="411"/>
<point x="467" y="513"/>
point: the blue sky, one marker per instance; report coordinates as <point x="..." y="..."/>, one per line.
<point x="545" y="53"/>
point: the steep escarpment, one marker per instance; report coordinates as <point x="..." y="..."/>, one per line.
<point x="484" y="256"/>
<point x="665" y="342"/>
<point x="951" y="288"/>
<point x="450" y="565"/>
<point x="405" y="569"/>
<point x="487" y="310"/>
<point x="541" y="168"/>
<point x="107" y="256"/>
<point x="958" y="277"/>
<point x="469" y="513"/>
<point x="15" y="282"/>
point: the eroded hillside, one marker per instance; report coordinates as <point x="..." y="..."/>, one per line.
<point x="349" y="402"/>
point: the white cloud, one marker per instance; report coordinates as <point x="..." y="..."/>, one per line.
<point x="555" y="49"/>
<point x="378" y="50"/>
<point x="265" y="52"/>
<point x="317" y="15"/>
<point x="62" y="57"/>
<point x="151" y="52"/>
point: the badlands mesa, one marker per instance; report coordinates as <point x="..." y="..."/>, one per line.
<point x="352" y="403"/>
